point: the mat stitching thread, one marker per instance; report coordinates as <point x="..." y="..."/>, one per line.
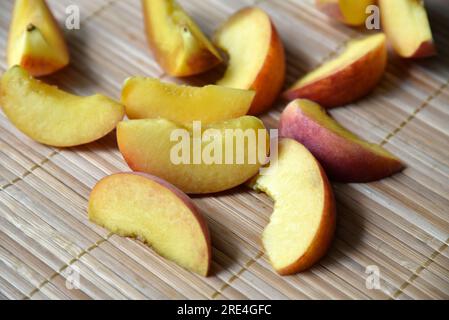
<point x="420" y="269"/>
<point x="100" y="10"/>
<point x="245" y="267"/>
<point x="424" y="104"/>
<point x="437" y="252"/>
<point x="67" y="265"/>
<point x="30" y="171"/>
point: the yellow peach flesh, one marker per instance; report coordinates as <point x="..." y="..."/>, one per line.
<point x="354" y="11"/>
<point x="303" y="209"/>
<point x="151" y="98"/>
<point x="180" y="46"/>
<point x="239" y="35"/>
<point x="407" y="26"/>
<point x="52" y="116"/>
<point x="35" y="40"/>
<point x="354" y="51"/>
<point x="135" y="205"/>
<point x="147" y="146"/>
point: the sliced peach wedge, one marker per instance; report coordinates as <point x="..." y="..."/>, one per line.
<point x="54" y="117"/>
<point x="35" y="40"/>
<point x="154" y="211"/>
<point x="350" y="12"/>
<point x="344" y="156"/>
<point x="303" y="221"/>
<point x="256" y="56"/>
<point x="151" y="98"/>
<point x="178" y="44"/>
<point x="195" y="158"/>
<point x="407" y="27"/>
<point x="350" y="76"/>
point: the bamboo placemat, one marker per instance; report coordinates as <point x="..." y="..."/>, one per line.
<point x="399" y="225"/>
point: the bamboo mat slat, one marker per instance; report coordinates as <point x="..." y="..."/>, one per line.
<point x="400" y="224"/>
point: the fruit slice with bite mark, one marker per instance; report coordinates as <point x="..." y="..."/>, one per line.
<point x="303" y="221"/>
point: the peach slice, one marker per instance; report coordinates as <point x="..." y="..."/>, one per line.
<point x="303" y="221"/>
<point x="35" y="40"/>
<point x="344" y="156"/>
<point x="151" y="98"/>
<point x="195" y="158"/>
<point x="146" y="207"/>
<point x="407" y="27"/>
<point x="54" y="117"/>
<point x="178" y="44"/>
<point x="256" y="56"/>
<point x="350" y="76"/>
<point x="350" y="12"/>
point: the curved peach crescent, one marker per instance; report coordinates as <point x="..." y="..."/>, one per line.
<point x="198" y="160"/>
<point x="54" y="117"/>
<point x="344" y="156"/>
<point x="150" y="98"/>
<point x="347" y="78"/>
<point x="302" y="224"/>
<point x="149" y="208"/>
<point x="256" y="56"/>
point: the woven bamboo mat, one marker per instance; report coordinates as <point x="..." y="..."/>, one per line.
<point x="399" y="225"/>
